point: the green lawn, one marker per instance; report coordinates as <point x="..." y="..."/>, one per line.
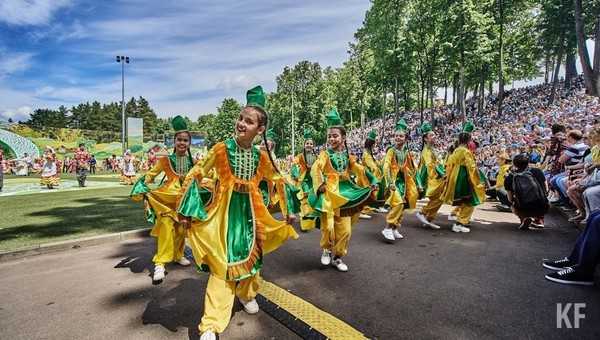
<point x="99" y="177"/>
<point x="48" y="217"/>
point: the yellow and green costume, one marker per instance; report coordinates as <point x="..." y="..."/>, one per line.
<point x="343" y="198"/>
<point x="463" y="184"/>
<point x="399" y="169"/>
<point x="376" y="169"/>
<point x="300" y="174"/>
<point x="231" y="233"/>
<point x="161" y="205"/>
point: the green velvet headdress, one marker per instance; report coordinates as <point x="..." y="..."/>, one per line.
<point x="372" y="135"/>
<point x="468" y="127"/>
<point x="426" y="128"/>
<point x="271" y="135"/>
<point x="255" y="97"/>
<point x="178" y="123"/>
<point x="401" y="125"/>
<point x="307" y="134"/>
<point x="333" y="118"/>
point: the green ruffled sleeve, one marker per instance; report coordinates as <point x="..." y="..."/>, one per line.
<point x="191" y="204"/>
<point x="139" y="189"/>
<point x="138" y="192"/>
<point x="295" y="172"/>
<point x="372" y="179"/>
<point x="441" y="171"/>
<point x="293" y="204"/>
<point x="421" y="177"/>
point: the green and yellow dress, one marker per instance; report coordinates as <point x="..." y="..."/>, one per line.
<point x="399" y="168"/>
<point x="343" y="198"/>
<point x="430" y="175"/>
<point x="376" y="170"/>
<point x="463" y="186"/>
<point x="230" y="234"/>
<point x="161" y="205"/>
<point x="300" y="175"/>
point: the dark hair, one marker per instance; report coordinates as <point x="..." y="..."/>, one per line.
<point x="575" y="134"/>
<point x="263" y="120"/>
<point x="341" y="128"/>
<point x="521" y="161"/>
<point x="81" y="144"/>
<point x="464" y="138"/>
<point x="556" y="128"/>
<point x="369" y="145"/>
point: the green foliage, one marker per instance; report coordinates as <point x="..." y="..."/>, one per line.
<point x="223" y="124"/>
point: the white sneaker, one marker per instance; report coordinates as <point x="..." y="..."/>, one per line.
<point x="251" y="307"/>
<point x="326" y="257"/>
<point x="341" y="266"/>
<point x="382" y="210"/>
<point x="397" y="234"/>
<point x="184" y="262"/>
<point x="388" y="234"/>
<point x="422" y="218"/>
<point x="425" y="222"/>
<point x="451" y="217"/>
<point x="365" y="216"/>
<point x="159" y="273"/>
<point x="208" y="335"/>
<point x="457" y="228"/>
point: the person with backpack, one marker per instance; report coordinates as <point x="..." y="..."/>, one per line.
<point x="527" y="193"/>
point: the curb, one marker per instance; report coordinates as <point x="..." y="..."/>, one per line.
<point x="567" y="215"/>
<point x="53" y="247"/>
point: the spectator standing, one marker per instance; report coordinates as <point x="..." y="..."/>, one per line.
<point x="93" y="164"/>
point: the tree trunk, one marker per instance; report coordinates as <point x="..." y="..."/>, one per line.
<point x="461" y="85"/>
<point x="570" y="69"/>
<point x="396" y="99"/>
<point x="501" y="63"/>
<point x="491" y="88"/>
<point x="407" y="106"/>
<point x="454" y="90"/>
<point x="481" y="99"/>
<point x="445" y="90"/>
<point x="591" y="76"/>
<point x="556" y="70"/>
<point x="546" y="62"/>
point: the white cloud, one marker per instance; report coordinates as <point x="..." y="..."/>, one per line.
<point x="186" y="58"/>
<point x="14" y="62"/>
<point x="21" y="113"/>
<point x="29" y="12"/>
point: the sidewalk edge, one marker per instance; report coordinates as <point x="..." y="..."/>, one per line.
<point x="52" y="247"/>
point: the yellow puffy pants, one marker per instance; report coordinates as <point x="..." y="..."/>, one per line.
<point x="306" y="224"/>
<point x="219" y="298"/>
<point x="171" y="240"/>
<point x="337" y="240"/>
<point x="394" y="217"/>
<point x="464" y="213"/>
<point x="432" y="207"/>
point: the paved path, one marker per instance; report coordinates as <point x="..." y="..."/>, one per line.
<point x="488" y="284"/>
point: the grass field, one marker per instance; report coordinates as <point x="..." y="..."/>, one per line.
<point x="29" y="220"/>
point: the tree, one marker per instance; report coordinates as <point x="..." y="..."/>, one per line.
<point x="591" y="73"/>
<point x="223" y="126"/>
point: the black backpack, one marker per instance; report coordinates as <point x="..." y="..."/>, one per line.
<point x="527" y="191"/>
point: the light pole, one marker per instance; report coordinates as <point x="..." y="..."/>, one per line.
<point x="123" y="60"/>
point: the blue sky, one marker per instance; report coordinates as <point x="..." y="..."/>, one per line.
<point x="186" y="55"/>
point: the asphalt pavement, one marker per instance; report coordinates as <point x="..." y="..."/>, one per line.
<point x="433" y="284"/>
